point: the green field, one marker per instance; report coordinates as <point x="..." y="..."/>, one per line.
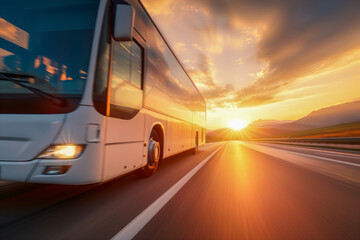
<point x="341" y="130"/>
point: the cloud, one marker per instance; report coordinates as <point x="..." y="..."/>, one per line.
<point x="295" y="38"/>
<point x="239" y="61"/>
<point x="203" y="75"/>
<point x="160" y="7"/>
<point x="179" y="46"/>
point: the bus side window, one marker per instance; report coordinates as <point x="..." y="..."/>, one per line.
<point x="136" y="65"/>
<point x="121" y="63"/>
<point x="126" y="80"/>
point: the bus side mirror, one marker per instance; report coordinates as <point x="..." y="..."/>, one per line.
<point x="124" y="18"/>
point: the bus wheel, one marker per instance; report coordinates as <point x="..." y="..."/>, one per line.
<point x="154" y="155"/>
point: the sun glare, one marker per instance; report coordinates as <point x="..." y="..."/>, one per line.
<point x="237" y="124"/>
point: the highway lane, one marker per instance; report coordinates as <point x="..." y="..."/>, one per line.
<point x="247" y="194"/>
<point x="242" y="192"/>
<point x="343" y="166"/>
<point x="40" y="211"/>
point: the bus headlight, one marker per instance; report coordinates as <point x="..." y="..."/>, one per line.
<point x="67" y="151"/>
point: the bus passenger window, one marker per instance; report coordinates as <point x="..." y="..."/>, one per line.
<point x="136" y="65"/>
<point x="126" y="80"/>
<point x="121" y="62"/>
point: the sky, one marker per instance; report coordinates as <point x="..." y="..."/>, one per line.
<point x="265" y="59"/>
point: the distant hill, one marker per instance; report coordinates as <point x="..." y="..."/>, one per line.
<point x="284" y="125"/>
<point x="337" y="116"/>
<point x="268" y="123"/>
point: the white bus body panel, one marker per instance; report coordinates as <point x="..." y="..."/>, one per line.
<point x="23" y="137"/>
<point x="173" y="135"/>
<point x="124" y="145"/>
<point x="122" y="158"/>
<point x="84" y="170"/>
<point x="87" y="168"/>
<point x="16" y="171"/>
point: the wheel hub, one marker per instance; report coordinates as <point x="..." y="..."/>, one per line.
<point x="153" y="152"/>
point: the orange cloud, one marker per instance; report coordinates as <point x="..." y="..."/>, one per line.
<point x="296" y="39"/>
<point x="159" y="7"/>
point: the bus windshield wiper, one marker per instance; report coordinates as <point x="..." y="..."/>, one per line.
<point x="50" y="97"/>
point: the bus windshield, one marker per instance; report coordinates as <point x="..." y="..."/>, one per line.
<point x="46" y="45"/>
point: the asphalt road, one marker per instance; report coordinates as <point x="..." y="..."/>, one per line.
<point x="244" y="191"/>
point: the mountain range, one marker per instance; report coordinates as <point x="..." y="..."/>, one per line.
<point x="325" y="117"/>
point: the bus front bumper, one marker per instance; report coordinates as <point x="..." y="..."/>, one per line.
<point x="16" y="171"/>
<point x="68" y="172"/>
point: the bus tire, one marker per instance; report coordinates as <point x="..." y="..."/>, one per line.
<point x="153" y="155"/>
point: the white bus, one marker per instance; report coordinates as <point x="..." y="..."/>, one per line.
<point x="89" y="91"/>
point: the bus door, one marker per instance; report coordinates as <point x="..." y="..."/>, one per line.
<point x="124" y="147"/>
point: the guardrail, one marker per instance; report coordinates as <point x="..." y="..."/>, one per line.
<point x="343" y="140"/>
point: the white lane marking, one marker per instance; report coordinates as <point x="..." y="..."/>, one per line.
<point x="130" y="230"/>
<point x="313" y="156"/>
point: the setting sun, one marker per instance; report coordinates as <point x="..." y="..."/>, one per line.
<point x="237" y="124"/>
